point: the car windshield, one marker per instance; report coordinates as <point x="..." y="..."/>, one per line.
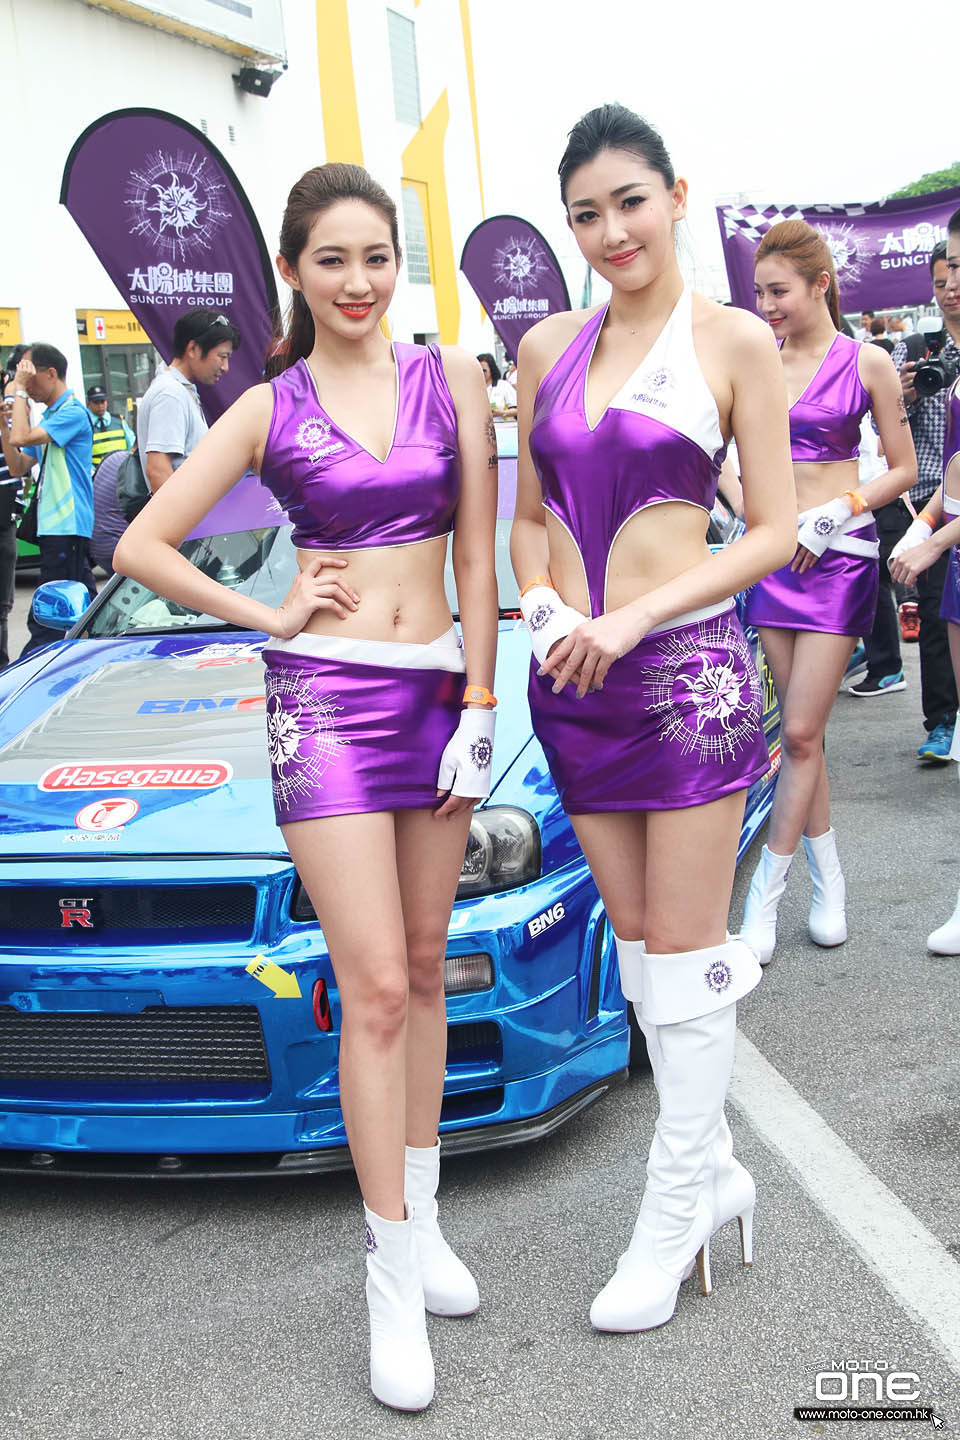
<point x="263" y="563"/>
<point x="258" y="563"/>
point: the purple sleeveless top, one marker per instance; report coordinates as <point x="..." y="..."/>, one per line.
<point x="659" y="439"/>
<point x="338" y="495"/>
<point x="951" y="447"/>
<point x="825" y="418"/>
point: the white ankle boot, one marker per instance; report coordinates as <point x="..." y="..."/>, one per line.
<point x="689" y="999"/>
<point x="401" y="1366"/>
<point x="448" y="1286"/>
<point x="946" y="939"/>
<point x="828" y="919"/>
<point x="759" y="928"/>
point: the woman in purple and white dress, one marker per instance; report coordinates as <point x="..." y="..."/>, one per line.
<point x="380" y="726"/>
<point x="643" y="689"/>
<point x="922" y="546"/>
<point x="810" y="612"/>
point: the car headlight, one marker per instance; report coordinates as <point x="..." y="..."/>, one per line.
<point x="503" y="851"/>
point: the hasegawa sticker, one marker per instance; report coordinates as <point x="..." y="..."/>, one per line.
<point x="135" y="775"/>
<point x="108" y="814"/>
<point x="238" y="652"/>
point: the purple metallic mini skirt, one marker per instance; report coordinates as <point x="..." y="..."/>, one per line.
<point x="837" y="596"/>
<point x="359" y="726"/>
<point x="679" y="722"/>
<point x="950" y="604"/>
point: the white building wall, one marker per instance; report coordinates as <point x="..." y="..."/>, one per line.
<point x="66" y="64"/>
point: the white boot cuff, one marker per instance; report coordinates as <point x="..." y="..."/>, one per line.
<point x="696" y="982"/>
<point x="630" y="957"/>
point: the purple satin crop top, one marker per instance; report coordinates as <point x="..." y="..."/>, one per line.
<point x="658" y="440"/>
<point x="825" y="418"/>
<point x="340" y="496"/>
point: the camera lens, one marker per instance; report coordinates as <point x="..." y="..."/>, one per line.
<point x="930" y="378"/>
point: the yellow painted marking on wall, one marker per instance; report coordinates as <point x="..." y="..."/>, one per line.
<point x="338" y="93"/>
<point x="423" y="160"/>
<point x="283" y="983"/>
<point x="9" y="327"/>
<point x="472" y="84"/>
<point x="110" y="327"/>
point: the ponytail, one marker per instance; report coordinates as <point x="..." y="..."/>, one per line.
<point x="809" y="254"/>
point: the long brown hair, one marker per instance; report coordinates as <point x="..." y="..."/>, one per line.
<point x="314" y="192"/>
<point x="809" y="254"/>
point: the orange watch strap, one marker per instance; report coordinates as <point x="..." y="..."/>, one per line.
<point x="479" y="695"/>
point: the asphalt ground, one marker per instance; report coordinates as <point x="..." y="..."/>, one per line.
<point x="234" y="1310"/>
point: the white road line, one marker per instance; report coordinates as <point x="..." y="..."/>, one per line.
<point x="910" y="1261"/>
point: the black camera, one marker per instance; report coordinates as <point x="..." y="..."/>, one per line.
<point x="937" y="371"/>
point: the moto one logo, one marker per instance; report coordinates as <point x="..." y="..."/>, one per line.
<point x="76" y="911"/>
<point x="847" y="1379"/>
<point x="539" y="923"/>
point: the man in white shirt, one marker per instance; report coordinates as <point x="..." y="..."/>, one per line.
<point x="170" y="418"/>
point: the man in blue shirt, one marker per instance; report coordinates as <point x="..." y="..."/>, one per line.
<point x="63" y="445"/>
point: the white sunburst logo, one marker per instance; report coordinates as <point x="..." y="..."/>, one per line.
<point x="313" y="433"/>
<point x="176" y="202"/>
<point x="519" y="264"/>
<point x="303" y="736"/>
<point x="704" y="690"/>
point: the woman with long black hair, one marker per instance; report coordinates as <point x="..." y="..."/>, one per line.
<point x="643" y="688"/>
<point x="380" y="725"/>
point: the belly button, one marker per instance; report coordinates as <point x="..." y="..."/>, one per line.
<point x="396" y="618"/>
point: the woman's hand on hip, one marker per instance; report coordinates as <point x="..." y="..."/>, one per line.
<point x="317" y="587"/>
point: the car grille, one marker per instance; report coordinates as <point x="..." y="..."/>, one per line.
<point x="209" y="1044"/>
<point x="478" y="1042"/>
<point x="83" y="914"/>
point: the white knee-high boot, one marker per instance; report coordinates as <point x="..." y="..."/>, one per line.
<point x="689" y="998"/>
<point x="759" y="928"/>
<point x="448" y="1286"/>
<point x="828" y="918"/>
<point x="401" y="1366"/>
<point x="946" y="939"/>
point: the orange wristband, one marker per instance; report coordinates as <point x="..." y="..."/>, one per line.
<point x="927" y="519"/>
<point x="537" y="580"/>
<point x="479" y="695"/>
<point x="857" y="502"/>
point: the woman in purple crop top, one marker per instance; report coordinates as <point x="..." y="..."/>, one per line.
<point x="643" y="689"/>
<point x="379" y="724"/>
<point x="810" y="612"/>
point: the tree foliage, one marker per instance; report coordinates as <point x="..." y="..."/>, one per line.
<point x="934" y="180"/>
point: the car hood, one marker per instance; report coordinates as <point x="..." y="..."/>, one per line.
<point x="157" y="746"/>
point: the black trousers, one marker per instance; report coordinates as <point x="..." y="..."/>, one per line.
<point x="8" y="582"/>
<point x="62" y="557"/>
<point x="938" y="691"/>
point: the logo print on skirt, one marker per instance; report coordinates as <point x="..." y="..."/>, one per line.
<point x="704" y="690"/>
<point x="302" y="734"/>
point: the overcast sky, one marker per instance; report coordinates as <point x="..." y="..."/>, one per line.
<point x="780" y="103"/>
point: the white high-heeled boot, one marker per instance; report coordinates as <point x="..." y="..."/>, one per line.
<point x="732" y="1193"/>
<point x="401" y="1366"/>
<point x="759" y="928"/>
<point x="690" y="999"/>
<point x="946" y="939"/>
<point x="828" y="919"/>
<point x="448" y="1286"/>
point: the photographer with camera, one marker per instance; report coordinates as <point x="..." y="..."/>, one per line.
<point x="925" y="379"/>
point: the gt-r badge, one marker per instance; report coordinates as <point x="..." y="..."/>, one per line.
<point x="76" y="911"/>
<point x="542" y="922"/>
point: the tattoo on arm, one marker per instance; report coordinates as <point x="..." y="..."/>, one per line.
<point x="904" y="419"/>
<point x="491" y="439"/>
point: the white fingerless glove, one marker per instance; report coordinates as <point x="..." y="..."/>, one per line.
<point x="548" y="619"/>
<point x="917" y="531"/>
<point x="818" y="527"/>
<point x="465" y="764"/>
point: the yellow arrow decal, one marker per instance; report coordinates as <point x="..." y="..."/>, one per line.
<point x="283" y="983"/>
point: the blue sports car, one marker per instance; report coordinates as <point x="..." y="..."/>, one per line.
<point x="167" y="1003"/>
